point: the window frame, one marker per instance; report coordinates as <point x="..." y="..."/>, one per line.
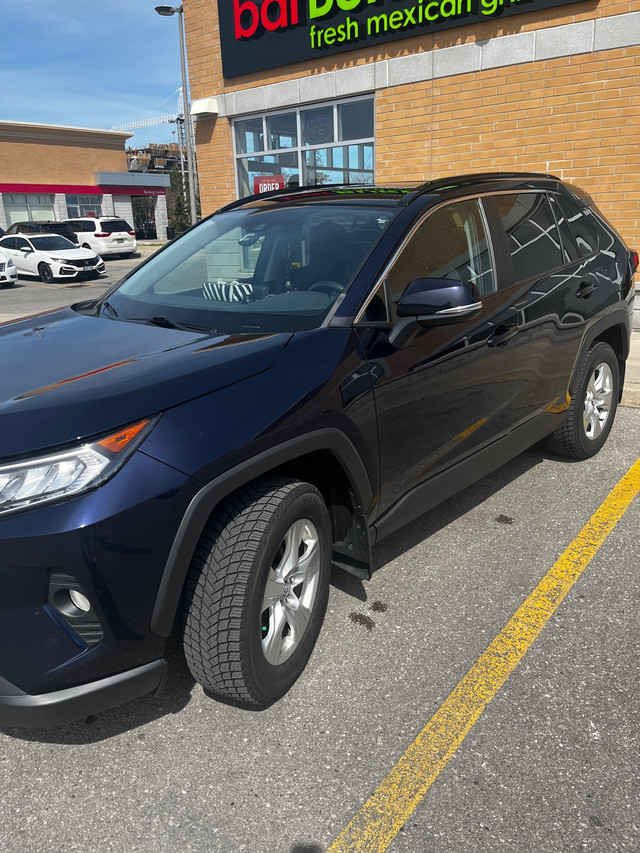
<point x="300" y="148"/>
<point x="382" y="280"/>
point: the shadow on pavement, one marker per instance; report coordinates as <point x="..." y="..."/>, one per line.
<point x="128" y="717"/>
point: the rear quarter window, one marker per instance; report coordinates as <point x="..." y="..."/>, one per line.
<point x="532" y="233"/>
<point x="584" y="226"/>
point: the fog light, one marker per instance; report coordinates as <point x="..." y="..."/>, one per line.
<point x="81" y="601"/>
<point x="70" y="603"/>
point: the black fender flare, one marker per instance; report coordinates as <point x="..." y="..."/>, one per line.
<point x="206" y="500"/>
<point x="618" y="319"/>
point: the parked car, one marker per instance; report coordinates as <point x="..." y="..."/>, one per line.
<point x="50" y="257"/>
<point x="32" y="227"/>
<point x="106" y="235"/>
<point x="8" y="274"/>
<point x="268" y="396"/>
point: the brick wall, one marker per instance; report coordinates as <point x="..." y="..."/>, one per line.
<point x="37" y="156"/>
<point x="574" y="116"/>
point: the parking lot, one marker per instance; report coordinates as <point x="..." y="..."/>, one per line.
<point x="550" y="764"/>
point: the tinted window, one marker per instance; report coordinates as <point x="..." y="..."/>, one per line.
<point x="450" y="243"/>
<point x="569" y="248"/>
<point x="532" y="233"/>
<point x="8" y="243"/>
<point x="582" y="223"/>
<point x="111" y="225"/>
<point x="21" y="243"/>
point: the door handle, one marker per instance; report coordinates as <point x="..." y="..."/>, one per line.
<point x="586" y="289"/>
<point x="502" y="334"/>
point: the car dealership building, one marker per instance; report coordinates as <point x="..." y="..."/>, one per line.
<point x="55" y="172"/>
<point x="404" y="91"/>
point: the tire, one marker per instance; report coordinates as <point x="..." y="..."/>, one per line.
<point x="248" y="628"/>
<point x="593" y="406"/>
<point x="44" y="271"/>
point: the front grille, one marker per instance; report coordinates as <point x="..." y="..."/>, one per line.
<point x="1" y="267"/>
<point x="83" y="264"/>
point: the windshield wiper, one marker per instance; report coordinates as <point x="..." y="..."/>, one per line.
<point x="109" y="307"/>
<point x="166" y="323"/>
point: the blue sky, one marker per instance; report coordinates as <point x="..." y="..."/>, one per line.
<point x="89" y="63"/>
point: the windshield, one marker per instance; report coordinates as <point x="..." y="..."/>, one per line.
<point x="50" y="242"/>
<point x="247" y="271"/>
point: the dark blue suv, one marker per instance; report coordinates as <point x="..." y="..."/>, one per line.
<point x="269" y="395"/>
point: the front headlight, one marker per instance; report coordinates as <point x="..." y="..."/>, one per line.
<point x="69" y="472"/>
<point x="10" y="263"/>
<point x="59" y="260"/>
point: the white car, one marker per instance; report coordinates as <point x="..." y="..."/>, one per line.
<point x="50" y="257"/>
<point x="8" y="272"/>
<point x="106" y="235"/>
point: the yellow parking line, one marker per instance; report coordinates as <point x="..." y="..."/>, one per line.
<point x="373" y="829"/>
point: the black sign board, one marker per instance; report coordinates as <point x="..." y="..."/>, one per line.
<point x="260" y="34"/>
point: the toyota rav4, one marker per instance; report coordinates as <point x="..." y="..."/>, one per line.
<point x="268" y="396"/>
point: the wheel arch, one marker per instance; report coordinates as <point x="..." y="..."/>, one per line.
<point x="613" y="330"/>
<point x="327" y="459"/>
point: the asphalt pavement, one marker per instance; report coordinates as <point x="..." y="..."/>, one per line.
<point x="551" y="764"/>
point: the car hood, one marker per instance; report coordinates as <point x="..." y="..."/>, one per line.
<point x="70" y="254"/>
<point x="67" y="375"/>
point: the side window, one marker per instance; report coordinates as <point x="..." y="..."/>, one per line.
<point x="532" y="234"/>
<point x="21" y="243"/>
<point x="569" y="248"/>
<point x="8" y="243"/>
<point x="582" y="224"/>
<point x="450" y="243"/>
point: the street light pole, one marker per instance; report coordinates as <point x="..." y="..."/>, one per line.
<point x="167" y="11"/>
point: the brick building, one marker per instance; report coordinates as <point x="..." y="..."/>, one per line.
<point x="52" y="172"/>
<point x="410" y="90"/>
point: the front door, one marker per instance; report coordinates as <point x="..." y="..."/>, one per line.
<point x="449" y="391"/>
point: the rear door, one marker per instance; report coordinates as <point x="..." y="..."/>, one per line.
<point x="556" y="296"/>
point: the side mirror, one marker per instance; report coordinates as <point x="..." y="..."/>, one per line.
<point x="431" y="302"/>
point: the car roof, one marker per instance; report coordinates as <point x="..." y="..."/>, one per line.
<point x="397" y="195"/>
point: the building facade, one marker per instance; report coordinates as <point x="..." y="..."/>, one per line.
<point x="51" y="172"/>
<point x="404" y="91"/>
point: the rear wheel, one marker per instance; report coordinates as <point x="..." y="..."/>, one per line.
<point x="257" y="591"/>
<point x="593" y="406"/>
<point x="44" y="271"/>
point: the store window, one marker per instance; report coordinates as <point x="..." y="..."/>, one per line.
<point x="326" y="144"/>
<point x="21" y="207"/>
<point x="84" y="205"/>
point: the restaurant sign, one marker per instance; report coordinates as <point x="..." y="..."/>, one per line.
<point x="260" y="34"/>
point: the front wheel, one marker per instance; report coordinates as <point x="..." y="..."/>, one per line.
<point x="593" y="406"/>
<point x="257" y="591"/>
<point x="44" y="271"/>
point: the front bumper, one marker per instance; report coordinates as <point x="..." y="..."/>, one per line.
<point x="44" y="710"/>
<point x="68" y="271"/>
<point x="9" y="275"/>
